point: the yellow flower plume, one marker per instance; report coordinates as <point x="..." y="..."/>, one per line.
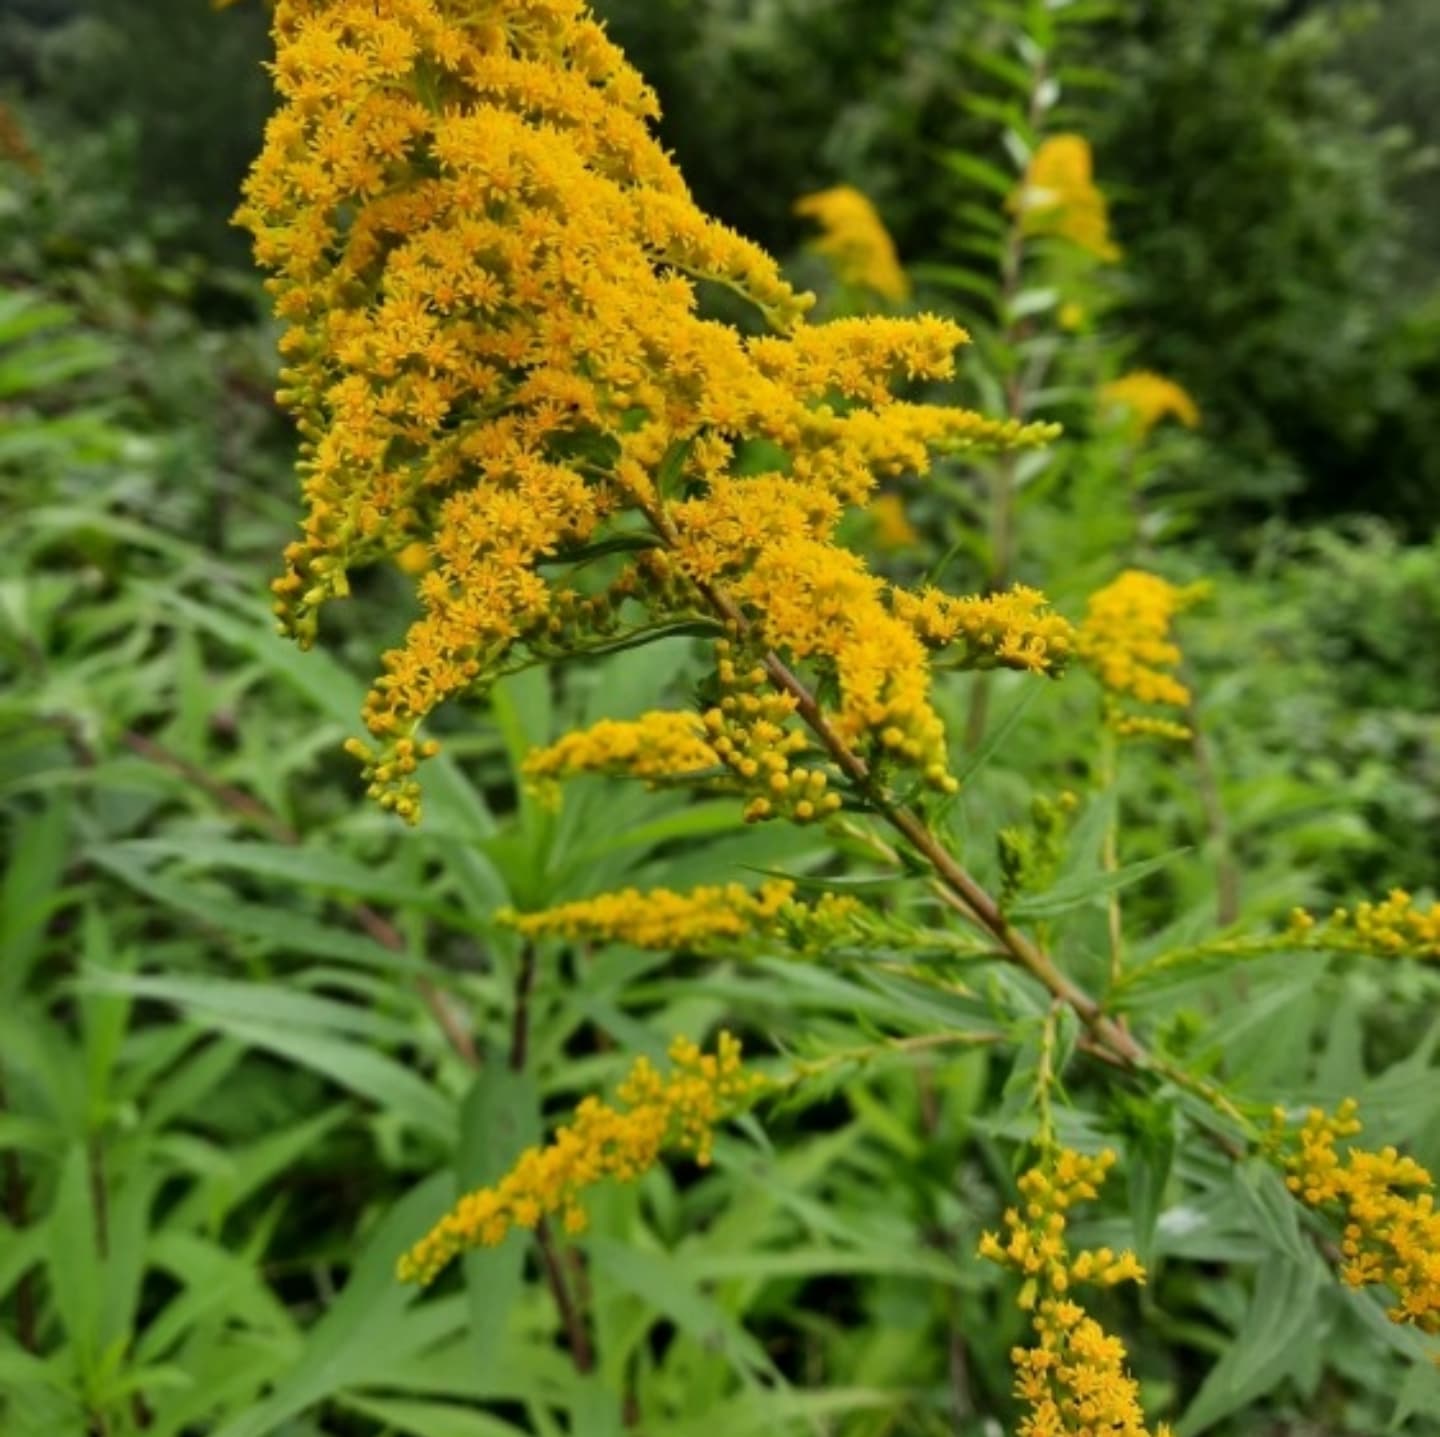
<point x="1147" y="398"/>
<point x="1125" y="640"/>
<point x="676" y="1112"/>
<point x="1395" y="927"/>
<point x="1059" y="196"/>
<point x="1073" y="1378"/>
<point x="705" y="917"/>
<point x="659" y="744"/>
<point x="490" y="273"/>
<point x="854" y="239"/>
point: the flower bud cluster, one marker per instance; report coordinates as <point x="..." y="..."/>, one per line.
<point x="1126" y="642"/>
<point x="752" y="732"/>
<point x="708" y="918"/>
<point x="1395" y="927"/>
<point x="1072" y="1380"/>
<point x="1385" y="1201"/>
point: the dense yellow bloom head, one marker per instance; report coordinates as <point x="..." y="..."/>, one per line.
<point x="891" y="528"/>
<point x="489" y="270"/>
<point x="678" y="1112"/>
<point x="854" y="239"/>
<point x="1014" y="629"/>
<point x="1395" y="927"/>
<point x="1059" y="196"/>
<point x="1126" y="642"/>
<point x="1147" y="398"/>
<point x="711" y="916"/>
<point x="1386" y="1202"/>
<point x="1073" y="1379"/>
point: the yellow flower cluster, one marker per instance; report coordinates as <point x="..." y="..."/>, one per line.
<point x="1073" y="1379"/>
<point x="854" y="239"/>
<point x="678" y="1112"/>
<point x="705" y="917"/>
<point x="1125" y="640"/>
<point x="659" y="744"/>
<point x="1391" y="1232"/>
<point x="1148" y="398"/>
<point x="1393" y="928"/>
<point x="1015" y="629"/>
<point x="490" y="273"/>
<point x="1059" y="197"/>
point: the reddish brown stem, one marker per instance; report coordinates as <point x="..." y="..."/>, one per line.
<point x="572" y="1318"/>
<point x="577" y="1335"/>
<point x="980" y="905"/>
<point x="520" y="1024"/>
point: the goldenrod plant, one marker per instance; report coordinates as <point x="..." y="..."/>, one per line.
<point x="847" y="910"/>
<point x="498" y="348"/>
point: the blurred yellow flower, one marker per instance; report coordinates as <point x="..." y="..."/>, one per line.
<point x="892" y="527"/>
<point x="854" y="239"/>
<point x="1058" y="196"/>
<point x="1125" y="640"/>
<point x="1148" y="398"/>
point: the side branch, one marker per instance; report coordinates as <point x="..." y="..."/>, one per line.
<point x="952" y="875"/>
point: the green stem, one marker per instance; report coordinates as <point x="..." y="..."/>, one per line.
<point x="1109" y="773"/>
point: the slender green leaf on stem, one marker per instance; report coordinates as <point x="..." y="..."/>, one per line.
<point x="364" y="1327"/>
<point x="1076" y="892"/>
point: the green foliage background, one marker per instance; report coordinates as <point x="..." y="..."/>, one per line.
<point x="230" y="995"/>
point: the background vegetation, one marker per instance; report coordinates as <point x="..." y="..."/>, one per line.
<point x="252" y="1032"/>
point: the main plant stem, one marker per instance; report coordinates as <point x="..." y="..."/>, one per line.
<point x="980" y="906"/>
<point x="1110" y="847"/>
